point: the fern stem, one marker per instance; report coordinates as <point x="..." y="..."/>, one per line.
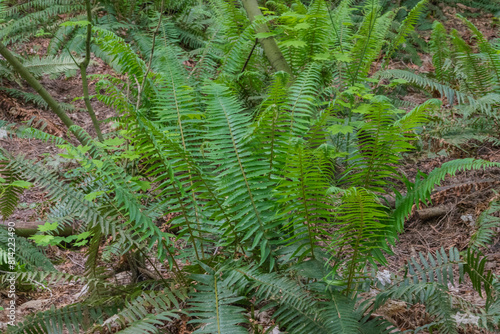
<point x="273" y="141"/>
<point x="233" y="141"/>
<point x="148" y="68"/>
<point x="154" y="267"/>
<point x="204" y="55"/>
<point x="339" y="38"/>
<point x="373" y="15"/>
<point x="352" y="265"/>
<point x="217" y="304"/>
<point x="83" y="70"/>
<point x="175" y="184"/>
<point x="177" y="270"/>
<point x="249" y="55"/>
<point x="181" y="129"/>
<point x="304" y="199"/>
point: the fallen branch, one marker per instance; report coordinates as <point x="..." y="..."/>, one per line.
<point x="429" y="213"/>
<point x="28" y="229"/>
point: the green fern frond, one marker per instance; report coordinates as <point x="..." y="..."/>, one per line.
<point x="25" y="252"/>
<point x="241" y="173"/>
<point x="427" y="282"/>
<point x="485" y="226"/>
<point x="3" y="10"/>
<point x="45" y="13"/>
<point x="486" y="104"/>
<point x="239" y="49"/>
<point x="339" y="315"/>
<point x="478" y="78"/>
<point x="139" y="226"/>
<point x="35" y="131"/>
<point x="377" y="325"/>
<point x="67" y="38"/>
<point x="439" y="46"/>
<point x="280" y="8"/>
<point x="113" y="95"/>
<point x="184" y="193"/>
<point x="9" y="193"/>
<point x="208" y="58"/>
<point x="144" y="312"/>
<point x="363" y="229"/>
<point x="271" y="118"/>
<point x="177" y="106"/>
<point x="301" y="104"/>
<point x="92" y="253"/>
<point x="481" y="279"/>
<point x="318" y="32"/>
<point x="73" y="318"/>
<point x="485" y="47"/>
<point x="56" y="277"/>
<point x="423" y="82"/>
<point x="190" y="27"/>
<point x="230" y="17"/>
<point x="437" y="267"/>
<point x="60" y="192"/>
<point x="370" y="39"/>
<point x="50" y="65"/>
<point x="120" y="56"/>
<point x="381" y="141"/>
<point x="75" y="202"/>
<point x="303" y="189"/>
<point x="341" y="20"/>
<point x="407" y="26"/>
<point x="298" y="310"/>
<point x="212" y="304"/>
<point x="47" y="65"/>
<point x="36" y="4"/>
<point x="421" y="190"/>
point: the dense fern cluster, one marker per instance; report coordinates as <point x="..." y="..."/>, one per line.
<point x="273" y="182"/>
<point x="468" y="76"/>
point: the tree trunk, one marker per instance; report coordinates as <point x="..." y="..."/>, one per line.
<point x="271" y="49"/>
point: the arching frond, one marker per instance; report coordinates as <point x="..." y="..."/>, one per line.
<point x="423" y="186"/>
<point x="363" y="229"/>
<point x="371" y="38"/>
<point x="439" y="46"/>
<point x="407" y="26"/>
<point x="301" y="100"/>
<point x="485" y="226"/>
<point x="146" y="312"/>
<point x="212" y="304"/>
<point x="298" y="310"/>
<point x="424" y="82"/>
<point x="25" y="253"/>
<point x="241" y="173"/>
<point x="302" y="190"/>
<point x="478" y="78"/>
<point x="9" y="192"/>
